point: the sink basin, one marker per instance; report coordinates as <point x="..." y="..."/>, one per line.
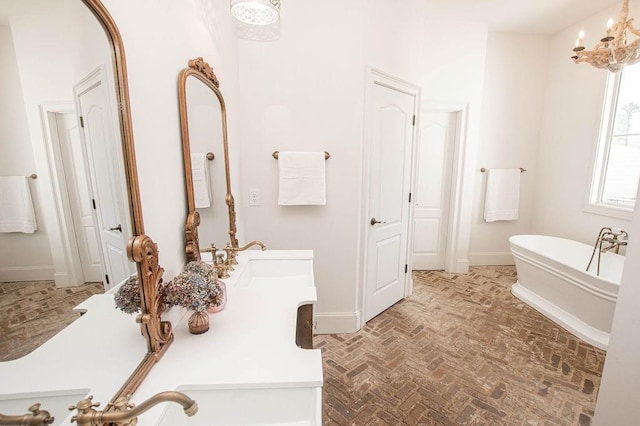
<point x="57" y="402"/>
<point x="249" y="407"/>
<point x="268" y="272"/>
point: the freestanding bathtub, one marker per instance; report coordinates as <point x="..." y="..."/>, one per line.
<point x="552" y="279"/>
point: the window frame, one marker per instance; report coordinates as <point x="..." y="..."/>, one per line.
<point x="595" y="204"/>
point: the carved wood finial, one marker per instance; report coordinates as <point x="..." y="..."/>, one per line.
<point x="200" y="65"/>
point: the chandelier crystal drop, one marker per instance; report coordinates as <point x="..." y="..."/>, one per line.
<point x="613" y="52"/>
<point x="256" y="12"/>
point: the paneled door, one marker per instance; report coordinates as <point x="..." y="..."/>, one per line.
<point x="390" y="151"/>
<point x="68" y="133"/>
<point x="433" y="189"/>
<point x="102" y="150"/>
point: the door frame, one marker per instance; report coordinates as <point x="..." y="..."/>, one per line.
<point x="461" y="110"/>
<point x="64" y="248"/>
<point x="377" y="76"/>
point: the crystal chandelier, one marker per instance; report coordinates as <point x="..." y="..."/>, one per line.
<point x="256" y="12"/>
<point x="613" y="52"/>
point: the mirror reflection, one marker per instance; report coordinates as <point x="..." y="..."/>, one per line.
<point x="57" y="119"/>
<point x="208" y="171"/>
<point x="203" y="112"/>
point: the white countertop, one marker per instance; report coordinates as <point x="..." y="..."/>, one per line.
<point x="251" y="343"/>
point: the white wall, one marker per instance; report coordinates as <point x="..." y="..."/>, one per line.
<point x="16" y="158"/>
<point x="306" y="92"/>
<point x="159" y="38"/>
<point x="618" y="395"/>
<point x="569" y="133"/>
<point x="38" y="40"/>
<point x="512" y="105"/>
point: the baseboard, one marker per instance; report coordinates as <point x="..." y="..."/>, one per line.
<point x="460" y="266"/>
<point x="491" y="258"/>
<point x="336" y="322"/>
<point x="27" y="273"/>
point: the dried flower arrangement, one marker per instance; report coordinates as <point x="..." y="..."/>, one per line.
<point x="196" y="288"/>
<point x="127" y="297"/>
<point x="190" y="290"/>
<point x="218" y="298"/>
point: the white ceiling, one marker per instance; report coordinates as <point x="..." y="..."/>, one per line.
<point x="519" y="16"/>
<point x="525" y="16"/>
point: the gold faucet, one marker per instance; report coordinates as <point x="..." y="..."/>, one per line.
<point x="251" y="244"/>
<point x="36" y="416"/>
<point x="211" y="249"/>
<point x="125" y="413"/>
<point x="221" y="266"/>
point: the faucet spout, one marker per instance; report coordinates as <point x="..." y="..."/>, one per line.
<point x="125" y="413"/>
<point x="251" y="244"/>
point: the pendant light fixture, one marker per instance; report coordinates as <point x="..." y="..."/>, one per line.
<point x="256" y="12"/>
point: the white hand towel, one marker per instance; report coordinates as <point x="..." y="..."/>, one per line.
<point x="16" y="207"/>
<point x="301" y="179"/>
<point x="201" y="183"/>
<point x="503" y="195"/>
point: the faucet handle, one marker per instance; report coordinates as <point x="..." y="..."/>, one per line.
<point x="231" y="255"/>
<point x="85" y="405"/>
<point x="44" y="415"/>
<point x="122" y="403"/>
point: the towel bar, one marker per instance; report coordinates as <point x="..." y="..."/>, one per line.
<point x="275" y="155"/>
<point x="521" y="170"/>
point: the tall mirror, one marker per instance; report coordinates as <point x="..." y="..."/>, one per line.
<point x="66" y="142"/>
<point x="206" y="160"/>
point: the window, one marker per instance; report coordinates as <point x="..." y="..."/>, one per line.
<point x="617" y="168"/>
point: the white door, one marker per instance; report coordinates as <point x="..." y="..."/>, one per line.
<point x="77" y="184"/>
<point x="433" y="189"/>
<point x="391" y="141"/>
<point x="102" y="153"/>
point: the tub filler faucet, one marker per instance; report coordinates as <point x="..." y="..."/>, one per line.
<point x="609" y="239"/>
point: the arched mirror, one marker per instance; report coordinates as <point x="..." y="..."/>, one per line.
<point x="65" y="130"/>
<point x="206" y="160"/>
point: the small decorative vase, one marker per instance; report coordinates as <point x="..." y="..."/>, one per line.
<point x="221" y="299"/>
<point x="198" y="323"/>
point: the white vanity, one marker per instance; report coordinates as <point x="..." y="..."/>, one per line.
<point x="247" y="369"/>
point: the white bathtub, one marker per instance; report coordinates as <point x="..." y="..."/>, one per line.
<point x="552" y="279"/>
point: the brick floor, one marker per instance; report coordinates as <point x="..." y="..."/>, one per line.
<point x="32" y="312"/>
<point x="462" y="350"/>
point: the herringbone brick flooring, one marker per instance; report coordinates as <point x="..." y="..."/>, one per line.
<point x="31" y="312"/>
<point x="462" y="350"/>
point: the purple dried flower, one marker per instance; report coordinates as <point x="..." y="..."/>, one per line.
<point x="127" y="297"/>
<point x="191" y="289"/>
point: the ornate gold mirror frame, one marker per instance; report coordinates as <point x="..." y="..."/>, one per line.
<point x="201" y="70"/>
<point x="140" y="249"/>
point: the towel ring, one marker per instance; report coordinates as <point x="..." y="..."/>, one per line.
<point x="275" y="155"/>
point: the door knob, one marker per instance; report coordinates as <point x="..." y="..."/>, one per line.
<point x="117" y="228"/>
<point x="373" y="221"/>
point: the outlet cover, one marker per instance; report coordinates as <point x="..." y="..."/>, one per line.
<point x="254" y="197"/>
